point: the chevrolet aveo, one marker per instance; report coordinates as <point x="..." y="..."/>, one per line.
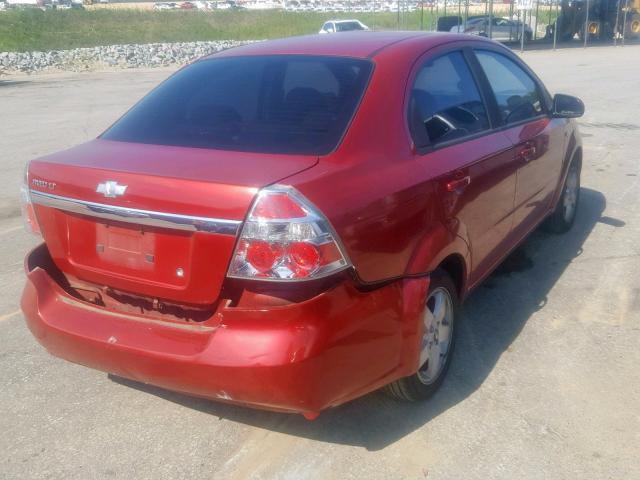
<point x="292" y="224"/>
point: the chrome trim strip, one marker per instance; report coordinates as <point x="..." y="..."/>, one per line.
<point x="140" y="217"/>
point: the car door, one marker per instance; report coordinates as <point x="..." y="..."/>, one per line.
<point x="538" y="139"/>
<point x="511" y="30"/>
<point x="502" y="29"/>
<point x="496" y="30"/>
<point x="472" y="164"/>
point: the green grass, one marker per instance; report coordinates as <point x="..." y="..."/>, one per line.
<point x="33" y="29"/>
<point x="27" y="30"/>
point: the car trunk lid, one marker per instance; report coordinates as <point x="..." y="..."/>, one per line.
<point x="159" y="221"/>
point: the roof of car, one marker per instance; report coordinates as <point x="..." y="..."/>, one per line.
<point x="361" y="44"/>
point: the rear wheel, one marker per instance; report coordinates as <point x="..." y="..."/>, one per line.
<point x="438" y="340"/>
<point x="562" y="218"/>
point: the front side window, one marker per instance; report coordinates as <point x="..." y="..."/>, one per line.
<point x="515" y="91"/>
<point x="271" y="104"/>
<point x="445" y="102"/>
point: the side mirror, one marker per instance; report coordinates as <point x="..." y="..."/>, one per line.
<point x="566" y="106"/>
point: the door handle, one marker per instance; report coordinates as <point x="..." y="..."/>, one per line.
<point x="528" y="152"/>
<point x="458" y="184"/>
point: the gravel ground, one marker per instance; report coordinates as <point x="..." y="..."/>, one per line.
<point x="543" y="384"/>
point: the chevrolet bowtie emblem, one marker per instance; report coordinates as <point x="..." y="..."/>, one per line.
<point x="111" y="189"/>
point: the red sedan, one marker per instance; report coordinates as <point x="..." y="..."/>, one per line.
<point x="292" y="224"/>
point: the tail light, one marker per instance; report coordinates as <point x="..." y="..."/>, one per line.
<point x="286" y="238"/>
<point x="28" y="213"/>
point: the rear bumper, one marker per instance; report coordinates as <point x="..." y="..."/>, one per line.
<point x="301" y="357"/>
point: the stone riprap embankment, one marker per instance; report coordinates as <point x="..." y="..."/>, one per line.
<point x="118" y="56"/>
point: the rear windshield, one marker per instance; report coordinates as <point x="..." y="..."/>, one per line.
<point x="271" y="104"/>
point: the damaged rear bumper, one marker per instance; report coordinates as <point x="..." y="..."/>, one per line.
<point x="301" y="357"/>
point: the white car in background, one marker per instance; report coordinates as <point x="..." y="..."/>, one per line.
<point x="334" y="26"/>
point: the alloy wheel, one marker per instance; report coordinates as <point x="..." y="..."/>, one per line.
<point x="437" y="336"/>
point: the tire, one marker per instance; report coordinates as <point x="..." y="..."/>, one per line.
<point x="633" y="26"/>
<point x="563" y="216"/>
<point x="424" y="383"/>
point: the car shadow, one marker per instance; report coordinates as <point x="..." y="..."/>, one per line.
<point x="493" y="317"/>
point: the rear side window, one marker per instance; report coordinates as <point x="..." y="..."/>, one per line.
<point x="348" y="26"/>
<point x="516" y="93"/>
<point x="271" y="104"/>
<point x="445" y="102"/>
